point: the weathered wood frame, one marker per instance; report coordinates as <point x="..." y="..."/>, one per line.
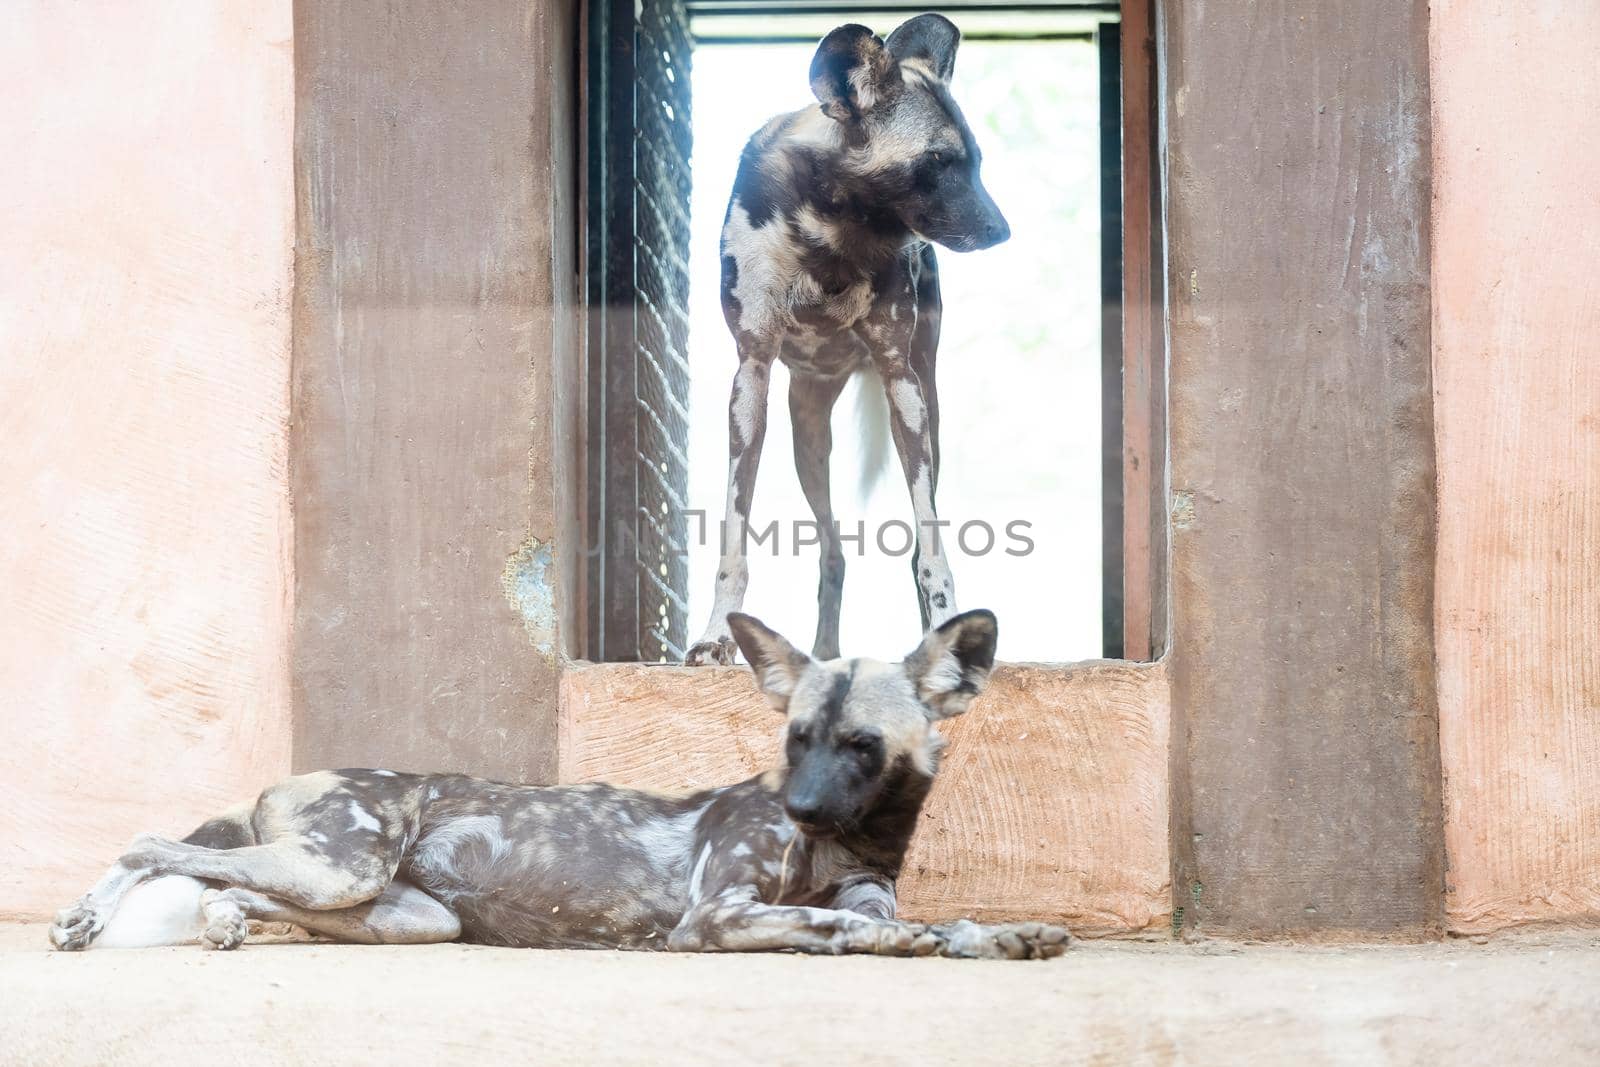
<point x="1144" y="356"/>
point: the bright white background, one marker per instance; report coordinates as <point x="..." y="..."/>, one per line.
<point x="1018" y="368"/>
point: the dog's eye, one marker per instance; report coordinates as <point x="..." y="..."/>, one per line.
<point x="863" y="742"/>
<point x="799" y="735"/>
<point x="938" y="157"/>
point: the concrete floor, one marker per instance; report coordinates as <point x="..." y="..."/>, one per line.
<point x="1528" y="999"/>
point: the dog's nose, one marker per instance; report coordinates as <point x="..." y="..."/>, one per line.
<point x="804" y="812"/>
<point x="996" y="231"/>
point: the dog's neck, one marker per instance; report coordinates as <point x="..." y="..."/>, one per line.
<point x="867" y="236"/>
<point x="879" y="841"/>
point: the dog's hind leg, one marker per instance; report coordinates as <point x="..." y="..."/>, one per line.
<point x="322" y="841"/>
<point x="401" y="915"/>
<point x="161" y="910"/>
<point x="157" y="911"/>
<point x="747" y="432"/>
<point x="321" y="862"/>
<point x="811" y="401"/>
<point x="81" y="922"/>
<point x="297" y="870"/>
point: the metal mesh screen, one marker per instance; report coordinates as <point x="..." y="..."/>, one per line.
<point x="640" y="139"/>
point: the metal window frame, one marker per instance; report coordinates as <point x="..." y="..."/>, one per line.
<point x="637" y="382"/>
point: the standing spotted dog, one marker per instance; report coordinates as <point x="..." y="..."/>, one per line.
<point x="801" y="858"/>
<point x="827" y="266"/>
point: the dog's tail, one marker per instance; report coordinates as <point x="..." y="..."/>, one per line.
<point x="872" y="428"/>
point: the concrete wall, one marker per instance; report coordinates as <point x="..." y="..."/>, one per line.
<point x="144" y="358"/>
<point x="1517" y="400"/>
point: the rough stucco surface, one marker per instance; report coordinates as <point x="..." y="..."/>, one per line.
<point x="1517" y="378"/>
<point x="144" y="359"/>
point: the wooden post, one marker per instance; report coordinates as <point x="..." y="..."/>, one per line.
<point x="435" y="399"/>
<point x="1306" y="781"/>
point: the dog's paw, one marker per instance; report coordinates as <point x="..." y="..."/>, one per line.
<point x="1012" y="941"/>
<point x="1033" y="941"/>
<point x="711" y="653"/>
<point x="224" y="934"/>
<point x="226" y="927"/>
<point x="75" y="926"/>
<point x="889" y="939"/>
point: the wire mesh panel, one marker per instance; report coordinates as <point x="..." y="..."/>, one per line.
<point x="639" y="148"/>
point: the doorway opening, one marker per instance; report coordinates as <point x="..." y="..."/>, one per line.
<point x="1031" y="357"/>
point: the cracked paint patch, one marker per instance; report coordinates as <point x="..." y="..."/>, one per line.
<point x="1182" y="510"/>
<point x="526" y="583"/>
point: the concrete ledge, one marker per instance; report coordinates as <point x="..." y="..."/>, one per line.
<point x="1512" y="1001"/>
<point x="1051" y="804"/>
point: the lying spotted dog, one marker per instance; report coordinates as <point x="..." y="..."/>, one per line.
<point x="801" y="858"/>
<point x="827" y="267"/>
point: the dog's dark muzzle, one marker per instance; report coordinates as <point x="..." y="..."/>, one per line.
<point x="816" y="818"/>
<point x="981" y="226"/>
<point x="987" y="234"/>
<point x="820" y="797"/>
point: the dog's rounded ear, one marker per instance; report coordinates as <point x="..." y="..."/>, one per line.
<point x="852" y="73"/>
<point x="776" y="663"/>
<point x="931" y="39"/>
<point x="952" y="664"/>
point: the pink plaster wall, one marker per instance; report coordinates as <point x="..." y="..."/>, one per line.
<point x="1516" y="275"/>
<point x="144" y="367"/>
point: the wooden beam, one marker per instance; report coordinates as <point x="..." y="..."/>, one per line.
<point x="1306" y="762"/>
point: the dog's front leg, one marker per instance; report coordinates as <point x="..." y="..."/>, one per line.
<point x="964" y="939"/>
<point x="889" y="332"/>
<point x="747" y="432"/>
<point x="736" y="921"/>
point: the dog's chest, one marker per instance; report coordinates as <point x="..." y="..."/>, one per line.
<point x="821" y="350"/>
<point x="778" y="281"/>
